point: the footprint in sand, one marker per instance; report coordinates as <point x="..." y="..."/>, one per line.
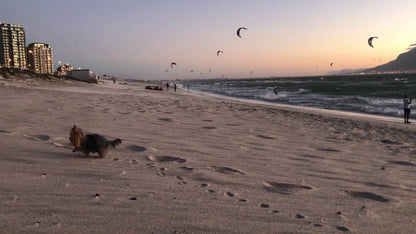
<point x="166" y="159"/>
<point x="190" y="169"/>
<point x="329" y="150"/>
<point x="403" y="163"/>
<point x="229" y="194"/>
<point x="264" y="205"/>
<point x="12" y="199"/>
<point x="34" y="225"/>
<point x="161" y="171"/>
<point x="208" y="128"/>
<point x="311" y="156"/>
<point x="368" y="195"/>
<point x="389" y="142"/>
<point x="226" y="170"/>
<point x="266" y="137"/>
<point x="284" y="188"/>
<point x="342" y="228"/>
<point x="299" y="216"/>
<point x="181" y="180"/>
<point x="38" y="137"/>
<point x="136" y="148"/>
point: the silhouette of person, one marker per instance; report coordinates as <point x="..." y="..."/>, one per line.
<point x="174" y="87"/>
<point x="167" y="86"/>
<point x="406" y="106"/>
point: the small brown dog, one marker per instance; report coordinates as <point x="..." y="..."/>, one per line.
<point x="90" y="143"/>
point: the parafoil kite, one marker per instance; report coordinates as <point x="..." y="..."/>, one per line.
<point x="171" y="65"/>
<point x="219" y="51"/>
<point x="370" y="41"/>
<point x="239" y="29"/>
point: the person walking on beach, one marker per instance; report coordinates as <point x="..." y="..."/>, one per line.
<point x="406" y="106"/>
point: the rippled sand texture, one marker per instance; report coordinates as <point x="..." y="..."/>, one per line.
<point x="197" y="164"/>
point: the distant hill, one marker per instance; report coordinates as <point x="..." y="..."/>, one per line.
<point x="404" y="62"/>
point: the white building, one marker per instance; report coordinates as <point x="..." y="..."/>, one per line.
<point x="83" y="75"/>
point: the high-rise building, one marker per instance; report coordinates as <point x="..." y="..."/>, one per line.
<point x="40" y="58"/>
<point x="12" y="45"/>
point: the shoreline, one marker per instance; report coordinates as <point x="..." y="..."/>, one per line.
<point x="197" y="164"/>
<point x="306" y="109"/>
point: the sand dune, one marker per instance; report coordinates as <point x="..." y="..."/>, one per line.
<point x="192" y="163"/>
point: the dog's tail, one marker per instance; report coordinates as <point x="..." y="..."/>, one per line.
<point x="115" y="143"/>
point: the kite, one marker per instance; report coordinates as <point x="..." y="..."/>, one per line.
<point x="219" y="51"/>
<point x="370" y="41"/>
<point x="239" y="29"/>
<point x="171" y="65"/>
<point x="331" y="64"/>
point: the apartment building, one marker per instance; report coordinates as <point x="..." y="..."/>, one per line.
<point x="12" y="46"/>
<point x="40" y="58"/>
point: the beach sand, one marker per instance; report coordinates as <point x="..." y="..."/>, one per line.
<point x="192" y="163"/>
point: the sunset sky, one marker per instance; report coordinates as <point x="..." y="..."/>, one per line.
<point x="139" y="39"/>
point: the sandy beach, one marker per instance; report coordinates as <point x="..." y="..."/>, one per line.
<point x="192" y="163"/>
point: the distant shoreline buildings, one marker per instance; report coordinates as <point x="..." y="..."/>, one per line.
<point x="14" y="53"/>
<point x="37" y="56"/>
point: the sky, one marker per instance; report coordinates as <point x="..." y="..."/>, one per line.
<point x="138" y="39"/>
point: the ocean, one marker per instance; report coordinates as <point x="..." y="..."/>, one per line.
<point x="370" y="94"/>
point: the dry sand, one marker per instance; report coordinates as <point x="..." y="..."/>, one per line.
<point x="194" y="163"/>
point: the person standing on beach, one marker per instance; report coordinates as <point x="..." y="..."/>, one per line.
<point x="406" y="106"/>
<point x="167" y="86"/>
<point x="174" y="87"/>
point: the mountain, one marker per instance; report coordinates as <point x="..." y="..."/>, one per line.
<point x="404" y="62"/>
